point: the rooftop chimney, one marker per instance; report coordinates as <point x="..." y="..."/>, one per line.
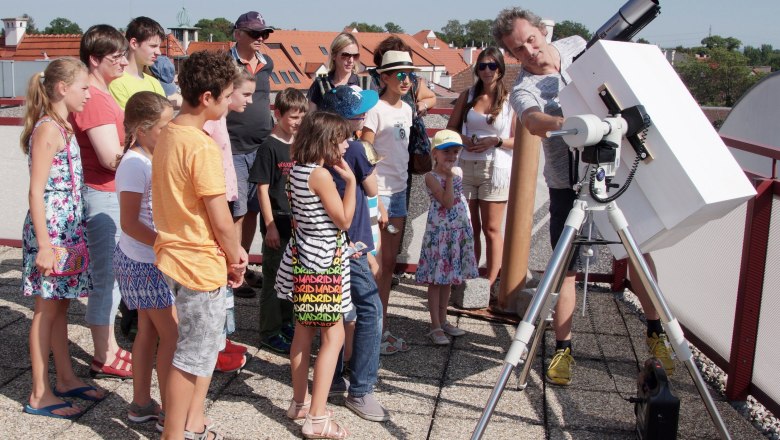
<point x="14" y="30"/>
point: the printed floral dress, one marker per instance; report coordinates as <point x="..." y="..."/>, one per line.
<point x="66" y="224"/>
<point x="447" y="254"/>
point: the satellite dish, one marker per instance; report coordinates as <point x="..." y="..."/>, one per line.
<point x="754" y="119"/>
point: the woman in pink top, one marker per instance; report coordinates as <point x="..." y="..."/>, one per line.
<point x="100" y="131"/>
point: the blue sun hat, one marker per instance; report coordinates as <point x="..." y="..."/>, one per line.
<point x="446" y="139"/>
<point x="165" y="72"/>
<point x="348" y="102"/>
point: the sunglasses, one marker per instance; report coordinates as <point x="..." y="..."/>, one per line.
<point x="347" y="56"/>
<point x="403" y="75"/>
<point x="257" y="34"/>
<point x="491" y="66"/>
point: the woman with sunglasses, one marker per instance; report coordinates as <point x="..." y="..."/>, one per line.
<point x="342" y="69"/>
<point x="486" y="121"/>
<point x="100" y="131"/>
<point x="387" y="128"/>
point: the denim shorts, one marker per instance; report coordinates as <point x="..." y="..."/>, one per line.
<point x="201" y="328"/>
<point x="103" y="234"/>
<point x="247" y="191"/>
<point x="395" y="204"/>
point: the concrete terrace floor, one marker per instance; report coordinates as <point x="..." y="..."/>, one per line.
<point x="433" y="392"/>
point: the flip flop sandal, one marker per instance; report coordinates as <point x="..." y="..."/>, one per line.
<point x="80" y="393"/>
<point x="116" y="370"/>
<point x="48" y="411"/>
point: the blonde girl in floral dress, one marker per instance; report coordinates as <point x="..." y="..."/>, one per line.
<point x="447" y="254"/>
<point x="56" y="218"/>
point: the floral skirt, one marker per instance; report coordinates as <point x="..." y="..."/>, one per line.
<point x="447" y="257"/>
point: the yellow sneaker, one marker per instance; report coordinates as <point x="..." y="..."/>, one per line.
<point x="559" y="371"/>
<point x="659" y="348"/>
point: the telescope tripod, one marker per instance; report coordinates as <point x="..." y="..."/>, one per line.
<point x="544" y="300"/>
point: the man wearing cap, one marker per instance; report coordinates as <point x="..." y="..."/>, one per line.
<point x="535" y="101"/>
<point x="249" y="129"/>
<point x="352" y="104"/>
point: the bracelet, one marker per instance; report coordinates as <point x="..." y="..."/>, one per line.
<point x="500" y="143"/>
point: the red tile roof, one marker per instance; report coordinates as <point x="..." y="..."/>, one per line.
<point x="211" y="46"/>
<point x="172" y="48"/>
<point x="34" y="46"/>
<point x="286" y="70"/>
<point x="39" y="46"/>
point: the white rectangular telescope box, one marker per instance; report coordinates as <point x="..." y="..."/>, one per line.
<point x="692" y="178"/>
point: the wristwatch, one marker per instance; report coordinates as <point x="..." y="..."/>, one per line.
<point x="500" y="143"/>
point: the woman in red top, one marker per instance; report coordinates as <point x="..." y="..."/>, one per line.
<point x="100" y="133"/>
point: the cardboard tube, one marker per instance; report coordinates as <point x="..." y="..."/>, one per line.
<point x="520" y="215"/>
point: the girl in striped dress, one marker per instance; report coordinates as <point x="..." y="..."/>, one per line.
<point x="320" y="217"/>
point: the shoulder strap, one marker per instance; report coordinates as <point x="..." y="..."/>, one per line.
<point x="67" y="139"/>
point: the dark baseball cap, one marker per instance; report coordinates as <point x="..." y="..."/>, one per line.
<point x="253" y="21"/>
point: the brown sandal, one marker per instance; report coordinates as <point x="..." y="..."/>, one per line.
<point x="328" y="425"/>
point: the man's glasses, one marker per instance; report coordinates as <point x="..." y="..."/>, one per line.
<point x="257" y="34"/>
<point x="491" y="66"/>
<point x="347" y="56"/>
<point x="403" y="75"/>
<point x="116" y="58"/>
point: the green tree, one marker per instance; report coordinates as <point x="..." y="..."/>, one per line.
<point x="31" y="29"/>
<point x="642" y="41"/>
<point x="478" y="32"/>
<point x="220" y="29"/>
<point x="60" y="26"/>
<point x="393" y="28"/>
<point x="763" y="56"/>
<point x="567" y="28"/>
<point x="716" y="41"/>
<point x="365" y="27"/>
<point x="718" y="80"/>
<point x="453" y="32"/>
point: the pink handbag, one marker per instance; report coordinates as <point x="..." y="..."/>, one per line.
<point x="70" y="260"/>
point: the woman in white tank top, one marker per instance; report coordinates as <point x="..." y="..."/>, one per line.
<point x="486" y="121"/>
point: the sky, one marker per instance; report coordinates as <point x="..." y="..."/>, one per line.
<point x="682" y="22"/>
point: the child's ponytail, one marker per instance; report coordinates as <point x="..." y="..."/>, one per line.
<point x="41" y="91"/>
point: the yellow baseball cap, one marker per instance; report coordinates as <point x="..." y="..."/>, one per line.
<point x="446" y="139"/>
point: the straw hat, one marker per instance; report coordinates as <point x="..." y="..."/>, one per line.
<point x="396" y="60"/>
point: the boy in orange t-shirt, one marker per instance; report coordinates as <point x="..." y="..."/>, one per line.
<point x="197" y="248"/>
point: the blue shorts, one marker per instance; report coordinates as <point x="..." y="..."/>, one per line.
<point x="395" y="204"/>
<point x="247" y="191"/>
